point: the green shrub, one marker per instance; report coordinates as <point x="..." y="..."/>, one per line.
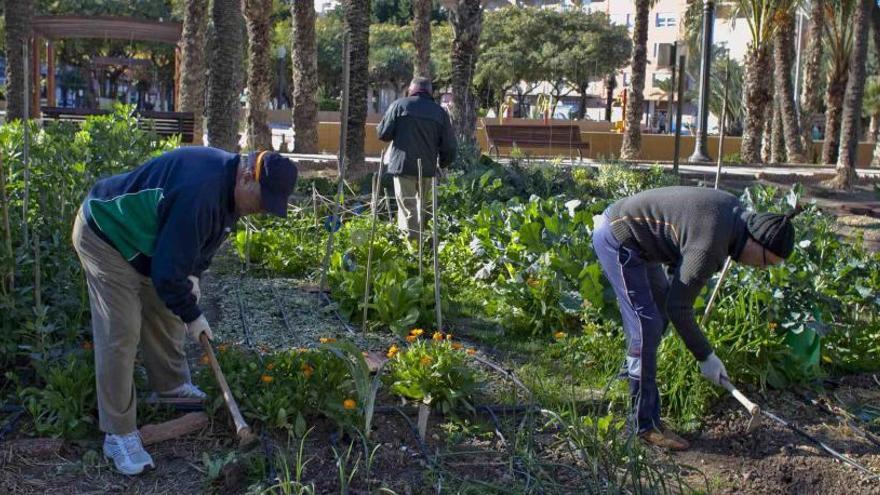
<point x="65" y="404"/>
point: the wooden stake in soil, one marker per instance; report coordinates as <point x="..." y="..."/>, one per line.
<point x="377" y="183"/>
<point x="8" y="282"/>
<point x="420" y="212"/>
<point x="424" y="412"/>
<point x="26" y="151"/>
<point x="343" y="137"/>
<point x="175" y="428"/>
<point x="723" y="118"/>
<point x="434" y="249"/>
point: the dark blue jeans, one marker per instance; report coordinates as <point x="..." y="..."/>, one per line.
<point x="641" y="290"/>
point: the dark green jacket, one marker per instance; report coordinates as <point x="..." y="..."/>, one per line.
<point x="418" y="128"/>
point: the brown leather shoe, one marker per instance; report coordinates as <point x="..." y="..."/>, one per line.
<point x="666" y="439"/>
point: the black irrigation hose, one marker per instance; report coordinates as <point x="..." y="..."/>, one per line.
<point x="847" y="418"/>
<point x="326" y="301"/>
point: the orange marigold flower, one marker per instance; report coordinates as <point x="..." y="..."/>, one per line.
<point x="270" y="366"/>
<point x="411" y="338"/>
<point x="349" y="404"/>
<point x="772" y="326"/>
<point x="326" y="340"/>
<point x="392" y="351"/>
<point x="223" y="347"/>
<point x="457" y="346"/>
<point x="417" y="332"/>
<point x="426" y="360"/>
<point x="266" y="379"/>
<point x="301" y="350"/>
<point x="559" y="335"/>
<point x="471" y="352"/>
<point x="307" y="370"/>
<point x="438" y="336"/>
<point x="204" y="359"/>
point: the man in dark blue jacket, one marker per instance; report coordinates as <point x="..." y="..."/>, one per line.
<point x="419" y="130"/>
<point x="144" y="238"/>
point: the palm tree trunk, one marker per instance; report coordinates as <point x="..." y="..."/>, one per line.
<point x="192" y="63"/>
<point x="632" y="134"/>
<point x="304" y="58"/>
<point x="852" y="103"/>
<point x="783" y="49"/>
<point x="18" y="29"/>
<point x="610" y="83"/>
<point x="357" y="24"/>
<point x="224" y="83"/>
<point x="258" y="14"/>
<point x="767" y="140"/>
<point x="875" y="26"/>
<point x="757" y="96"/>
<point x="811" y="101"/>
<point x="466" y="17"/>
<point x="777" y="135"/>
<point x="422" y="37"/>
<point x="833" y="112"/>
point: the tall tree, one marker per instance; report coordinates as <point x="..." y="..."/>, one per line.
<point x="632" y="134"/>
<point x="783" y="51"/>
<point x="875" y="30"/>
<point x="192" y="63"/>
<point x="610" y="84"/>
<point x="839" y="39"/>
<point x="224" y="82"/>
<point x="466" y="17"/>
<point x="421" y="33"/>
<point x="852" y="104"/>
<point x="258" y="14"/>
<point x="357" y="25"/>
<point x="811" y="98"/>
<point x="304" y="58"/>
<point x="18" y="29"/>
<point x="777" y="136"/>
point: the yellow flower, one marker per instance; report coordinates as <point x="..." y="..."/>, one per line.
<point x="326" y="340"/>
<point x="222" y="347"/>
<point x="301" y="350"/>
<point x="438" y="336"/>
<point x="559" y="335"/>
<point x="349" y="404"/>
<point x="270" y="366"/>
<point x="457" y="346"/>
<point x="426" y="360"/>
<point x="772" y="326"/>
<point x="266" y="379"/>
<point x="416" y="332"/>
<point x="204" y="360"/>
<point x="471" y="352"/>
<point x="392" y="351"/>
<point x="307" y="370"/>
<point x="533" y="283"/>
<point x="448" y="336"/>
<point x="411" y="338"/>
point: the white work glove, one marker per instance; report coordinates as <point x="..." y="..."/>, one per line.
<point x="198" y="326"/>
<point x="196" y="290"/>
<point x="713" y="369"/>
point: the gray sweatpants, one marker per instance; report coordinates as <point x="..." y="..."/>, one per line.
<point x="126" y="310"/>
<point x="409" y="209"/>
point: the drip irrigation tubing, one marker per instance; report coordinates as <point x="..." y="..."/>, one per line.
<point x="849" y="419"/>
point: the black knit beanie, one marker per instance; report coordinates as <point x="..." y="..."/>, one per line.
<point x="773" y="231"/>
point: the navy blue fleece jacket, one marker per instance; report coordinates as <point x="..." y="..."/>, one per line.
<point x="168" y="217"/>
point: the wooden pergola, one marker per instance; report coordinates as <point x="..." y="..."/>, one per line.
<point x="52" y="28"/>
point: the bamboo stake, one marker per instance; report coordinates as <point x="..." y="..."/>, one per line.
<point x="9" y="277"/>
<point x="388" y="204"/>
<point x="435" y="247"/>
<point x="420" y="213"/>
<point x="377" y="183"/>
<point x="38" y="291"/>
<point x="343" y="137"/>
<point x="27" y="151"/>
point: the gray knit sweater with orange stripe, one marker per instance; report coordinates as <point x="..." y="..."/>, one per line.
<point x="692" y="230"/>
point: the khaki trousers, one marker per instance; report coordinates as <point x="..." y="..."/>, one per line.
<point x="406" y="189"/>
<point x="126" y="310"/>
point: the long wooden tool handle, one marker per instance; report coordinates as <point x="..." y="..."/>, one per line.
<point x="241" y="427"/>
<point x="742" y="399"/>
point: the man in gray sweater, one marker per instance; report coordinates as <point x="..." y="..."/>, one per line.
<point x="690" y="230"/>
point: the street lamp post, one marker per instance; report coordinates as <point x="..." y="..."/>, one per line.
<point x="701" y="152"/>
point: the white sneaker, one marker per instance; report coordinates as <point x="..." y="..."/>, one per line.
<point x="185" y="390"/>
<point x="127" y="453"/>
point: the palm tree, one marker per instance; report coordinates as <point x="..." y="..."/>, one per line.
<point x="422" y="36"/>
<point x="357" y="25"/>
<point x="871" y="106"/>
<point x="224" y="82"/>
<point x="852" y="104"/>
<point x="777" y="136"/>
<point x="811" y="102"/>
<point x="783" y="50"/>
<point x="632" y="134"/>
<point x="18" y="29"/>
<point x="466" y="17"/>
<point x="839" y="39"/>
<point x="762" y="18"/>
<point x="610" y="84"/>
<point x="305" y="78"/>
<point x="258" y="14"/>
<point x="192" y="63"/>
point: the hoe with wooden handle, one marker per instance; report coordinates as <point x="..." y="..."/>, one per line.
<point x="753" y="408"/>
<point x="242" y="430"/>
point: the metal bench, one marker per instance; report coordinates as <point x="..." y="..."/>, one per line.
<point x="536" y="136"/>
<point x="164" y="124"/>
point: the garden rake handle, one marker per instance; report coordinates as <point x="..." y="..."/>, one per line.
<point x="242" y="430"/>
<point x="742" y="399"/>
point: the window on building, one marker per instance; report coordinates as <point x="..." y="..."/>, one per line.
<point x="665" y="19"/>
